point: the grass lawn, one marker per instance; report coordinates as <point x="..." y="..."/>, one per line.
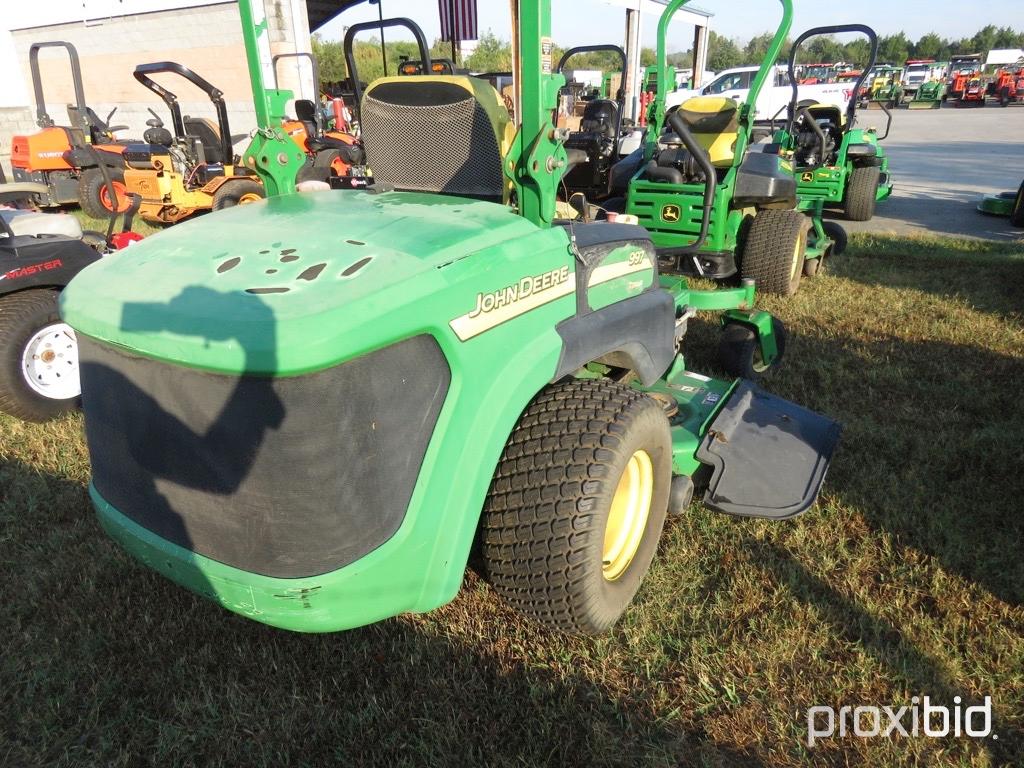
<point x="906" y="580"/>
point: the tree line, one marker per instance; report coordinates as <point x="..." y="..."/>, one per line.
<point x="724" y="53"/>
<point x="493" y="54"/>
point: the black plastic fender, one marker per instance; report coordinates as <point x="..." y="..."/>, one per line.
<point x="768" y="456"/>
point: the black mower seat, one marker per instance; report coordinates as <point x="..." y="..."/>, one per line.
<point x="442" y="134"/>
<point x="305" y="113"/>
<point x="204" y="130"/>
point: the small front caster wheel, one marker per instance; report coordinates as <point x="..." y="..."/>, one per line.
<point x="739" y="350"/>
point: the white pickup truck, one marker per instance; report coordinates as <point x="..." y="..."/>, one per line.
<point x="775" y="95"/>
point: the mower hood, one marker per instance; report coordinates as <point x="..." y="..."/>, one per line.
<point x="270" y="287"/>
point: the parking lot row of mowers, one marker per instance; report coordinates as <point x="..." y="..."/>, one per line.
<point x="175" y="174"/>
<point x="458" y="368"/>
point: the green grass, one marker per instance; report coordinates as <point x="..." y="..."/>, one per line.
<point x="907" y="579"/>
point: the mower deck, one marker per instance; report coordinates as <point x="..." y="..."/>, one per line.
<point x="999" y="204"/>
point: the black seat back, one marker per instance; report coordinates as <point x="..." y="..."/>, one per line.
<point x="305" y="113"/>
<point x="601" y="115"/>
<point x="203" y="129"/>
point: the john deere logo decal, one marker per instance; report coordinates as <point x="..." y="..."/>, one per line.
<point x="807" y="176"/>
<point x="670" y="213"/>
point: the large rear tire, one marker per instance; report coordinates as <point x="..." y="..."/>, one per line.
<point x="577" y="504"/>
<point x="861" y="194"/>
<point x="237" y="192"/>
<point x="774" y="249"/>
<point x="38" y="357"/>
<point x="94" y="197"/>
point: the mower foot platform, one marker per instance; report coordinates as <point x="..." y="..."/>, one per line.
<point x="768" y="456"/>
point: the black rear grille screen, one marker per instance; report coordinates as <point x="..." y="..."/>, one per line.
<point x="285" y="477"/>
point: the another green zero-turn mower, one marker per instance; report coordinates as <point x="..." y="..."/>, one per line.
<point x="311" y="408"/>
<point x="836" y="162"/>
<point x="712" y="207"/>
<point x="1005" y="204"/>
<point x="592" y="151"/>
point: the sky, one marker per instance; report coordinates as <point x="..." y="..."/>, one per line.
<point x="582" y="22"/>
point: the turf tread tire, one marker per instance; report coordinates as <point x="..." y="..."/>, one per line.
<point x="861" y="193"/>
<point x="543" y="524"/>
<point x="768" y="248"/>
<point x="230" y="193"/>
<point x="90" y="186"/>
<point x="21" y="316"/>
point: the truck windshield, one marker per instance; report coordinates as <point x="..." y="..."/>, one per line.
<point x="729" y="82"/>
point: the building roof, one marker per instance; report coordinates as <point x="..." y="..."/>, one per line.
<point x="322" y="11"/>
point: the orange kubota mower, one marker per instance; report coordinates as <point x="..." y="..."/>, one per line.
<point x="331" y="151"/>
<point x="58" y="156"/>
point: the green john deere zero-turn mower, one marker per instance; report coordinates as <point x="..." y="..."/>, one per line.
<point x="713" y="208"/>
<point x="837" y="163"/>
<point x="311" y="408"/>
<point x="1009" y="204"/>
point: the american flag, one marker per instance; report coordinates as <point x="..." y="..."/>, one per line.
<point x="458" y="19"/>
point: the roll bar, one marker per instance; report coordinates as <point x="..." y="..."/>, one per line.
<point x="620" y="96"/>
<point x="142" y="74"/>
<point x="316" y="78"/>
<point x="851" y="108"/>
<point x="400" y="21"/>
<point x="43" y="119"/>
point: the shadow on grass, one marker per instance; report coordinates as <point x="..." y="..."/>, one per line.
<point x="920" y="674"/>
<point x="107" y="663"/>
<point x="988" y="277"/>
<point x="929" y="449"/>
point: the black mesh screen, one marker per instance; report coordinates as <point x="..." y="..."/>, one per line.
<point x="286" y="477"/>
<point x="431" y="137"/>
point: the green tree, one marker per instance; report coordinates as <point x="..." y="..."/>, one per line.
<point x="857" y="52"/>
<point x="984" y="39"/>
<point x="824" y="49"/>
<point x="929" y="47"/>
<point x="723" y="53"/>
<point x="491" y="54"/>
<point x="894" y="49"/>
<point x="330" y="59"/>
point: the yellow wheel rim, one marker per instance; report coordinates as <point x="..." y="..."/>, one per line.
<point x="249" y="197"/>
<point x="627" y="520"/>
<point x="794" y="267"/>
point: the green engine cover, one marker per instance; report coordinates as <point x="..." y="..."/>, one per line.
<point x="297" y="284"/>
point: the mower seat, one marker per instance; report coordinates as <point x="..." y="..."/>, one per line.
<point x="305" y="113"/>
<point x="204" y="130"/>
<point x="35" y="224"/>
<point x="600" y="116"/>
<point x="442" y="134"/>
<point x="714" y="123"/>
